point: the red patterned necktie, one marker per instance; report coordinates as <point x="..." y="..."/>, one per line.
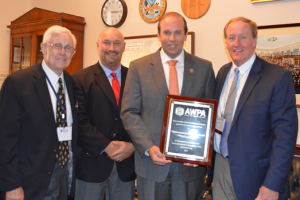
<point x="173" y="78"/>
<point x="116" y="86"/>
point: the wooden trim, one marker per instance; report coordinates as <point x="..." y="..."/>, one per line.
<point x="43" y="22"/>
<point x="297" y="152"/>
<point x="278" y="26"/>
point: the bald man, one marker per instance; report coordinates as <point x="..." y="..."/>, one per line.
<point x="105" y="154"/>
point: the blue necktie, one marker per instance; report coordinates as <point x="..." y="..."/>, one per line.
<point x="229" y="109"/>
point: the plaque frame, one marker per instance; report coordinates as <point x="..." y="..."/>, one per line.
<point x="209" y="135"/>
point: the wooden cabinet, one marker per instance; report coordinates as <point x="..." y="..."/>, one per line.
<point x="27" y="34"/>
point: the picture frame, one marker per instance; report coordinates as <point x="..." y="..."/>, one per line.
<point x="188" y="129"/>
<point x="16" y="54"/>
<point x="280" y="45"/>
<point x="139" y="46"/>
<point x="261" y="1"/>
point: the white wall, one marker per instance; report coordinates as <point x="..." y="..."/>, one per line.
<point x="9" y="11"/>
<point x="208" y="29"/>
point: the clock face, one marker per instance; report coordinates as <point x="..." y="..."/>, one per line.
<point x="114" y="13"/>
<point x="152" y="10"/>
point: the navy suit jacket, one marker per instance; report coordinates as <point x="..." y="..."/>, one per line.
<point x="263" y="134"/>
<point x="28" y="136"/>
<point x="99" y="124"/>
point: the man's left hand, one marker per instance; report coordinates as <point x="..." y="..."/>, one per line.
<point x="267" y="194"/>
<point x="125" y="150"/>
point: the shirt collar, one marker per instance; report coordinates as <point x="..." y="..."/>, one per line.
<point x="165" y="58"/>
<point x="53" y="77"/>
<point x="107" y="71"/>
<point x="244" y="67"/>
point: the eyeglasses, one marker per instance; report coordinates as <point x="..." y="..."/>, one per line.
<point x="58" y="47"/>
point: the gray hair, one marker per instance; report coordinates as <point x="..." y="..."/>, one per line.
<point x="57" y="30"/>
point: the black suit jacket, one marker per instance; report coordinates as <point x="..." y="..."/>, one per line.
<point x="28" y="134"/>
<point x="99" y="124"/>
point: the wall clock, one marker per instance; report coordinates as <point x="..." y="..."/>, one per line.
<point x="152" y="10"/>
<point x="194" y="8"/>
<point x="114" y="13"/>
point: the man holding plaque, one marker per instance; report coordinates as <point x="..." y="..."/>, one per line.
<point x="170" y="70"/>
<point x="257" y="121"/>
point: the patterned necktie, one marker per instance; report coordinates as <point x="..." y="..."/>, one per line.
<point x="229" y="109"/>
<point x="63" y="154"/>
<point x="116" y="87"/>
<point x="173" y="78"/>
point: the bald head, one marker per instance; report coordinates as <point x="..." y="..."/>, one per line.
<point x="110" y="48"/>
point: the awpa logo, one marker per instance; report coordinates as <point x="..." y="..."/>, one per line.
<point x="179" y="111"/>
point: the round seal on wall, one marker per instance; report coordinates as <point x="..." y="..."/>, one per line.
<point x="152" y="10"/>
<point x="194" y="8"/>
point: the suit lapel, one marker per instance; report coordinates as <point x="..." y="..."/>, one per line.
<point x="103" y="83"/>
<point x="43" y="92"/>
<point x="220" y="83"/>
<point x="251" y="81"/>
<point x="70" y="91"/>
<point x="188" y="77"/>
<point x="159" y="75"/>
<point x="123" y="79"/>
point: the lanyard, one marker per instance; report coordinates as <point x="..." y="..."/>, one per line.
<point x="63" y="116"/>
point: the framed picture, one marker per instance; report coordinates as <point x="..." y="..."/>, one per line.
<point x="280" y="44"/>
<point x="139" y="46"/>
<point x="17" y="53"/>
<point x="260" y="1"/>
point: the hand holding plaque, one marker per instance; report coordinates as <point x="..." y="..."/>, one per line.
<point x="157" y="157"/>
<point x="188" y="129"/>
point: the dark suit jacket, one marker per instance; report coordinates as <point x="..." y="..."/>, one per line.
<point x="28" y="134"/>
<point x="262" y="138"/>
<point x="99" y="124"/>
<point x="143" y="108"/>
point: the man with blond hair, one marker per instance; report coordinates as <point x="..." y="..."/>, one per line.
<point x="38" y="129"/>
<point x="257" y="121"/>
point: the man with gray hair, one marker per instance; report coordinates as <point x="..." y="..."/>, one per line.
<point x="38" y="129"/>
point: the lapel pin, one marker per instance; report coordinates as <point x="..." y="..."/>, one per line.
<point x="192" y="70"/>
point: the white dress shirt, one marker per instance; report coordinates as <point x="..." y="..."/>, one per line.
<point x="244" y="72"/>
<point x="179" y="67"/>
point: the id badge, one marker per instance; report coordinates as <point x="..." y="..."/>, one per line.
<point x="220" y="125"/>
<point x="64" y="134"/>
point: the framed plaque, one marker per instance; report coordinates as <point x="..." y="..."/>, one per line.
<point x="188" y="129"/>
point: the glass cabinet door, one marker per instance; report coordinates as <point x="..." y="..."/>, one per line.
<point x="39" y="54"/>
<point x="20" y="53"/>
